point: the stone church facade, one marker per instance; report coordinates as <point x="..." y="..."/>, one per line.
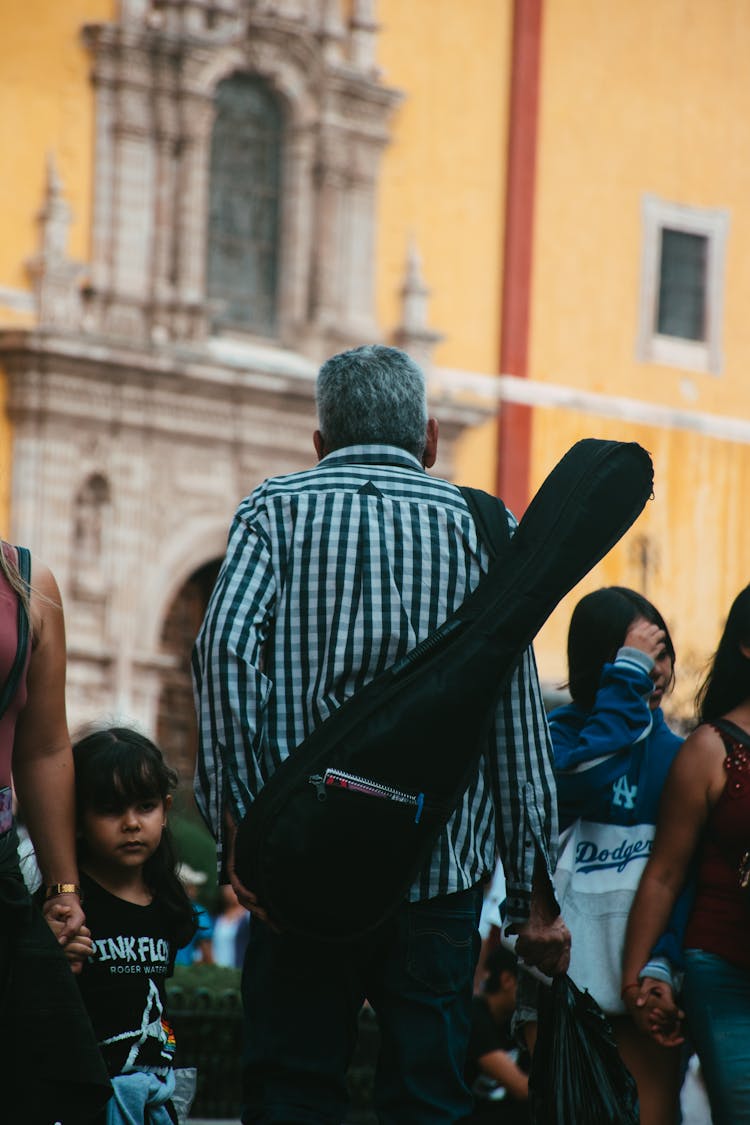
<point x="236" y="164"/>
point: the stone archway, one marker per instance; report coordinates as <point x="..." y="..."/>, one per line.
<point x="176" y="728"/>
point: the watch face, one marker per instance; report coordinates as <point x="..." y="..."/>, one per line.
<point x="63" y="889"/>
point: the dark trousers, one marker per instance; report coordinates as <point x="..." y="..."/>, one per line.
<point x="302" y="999"/>
<point x="49" y="1060"/>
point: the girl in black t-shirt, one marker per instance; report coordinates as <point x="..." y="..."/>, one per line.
<point x="137" y="915"/>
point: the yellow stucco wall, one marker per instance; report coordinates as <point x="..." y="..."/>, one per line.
<point x="642" y="98"/>
<point x="443" y="174"/>
<point x="46" y="107"/>
<point x="699" y="540"/>
<point x="637" y="98"/>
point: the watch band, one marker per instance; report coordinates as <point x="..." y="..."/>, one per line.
<point x="55" y="889"/>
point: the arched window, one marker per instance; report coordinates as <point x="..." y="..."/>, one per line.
<point x="243" y="227"/>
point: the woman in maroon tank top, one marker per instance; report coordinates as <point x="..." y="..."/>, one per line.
<point x="704" y="831"/>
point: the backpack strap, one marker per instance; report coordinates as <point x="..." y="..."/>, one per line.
<point x="491" y="518"/>
<point x="19" y="663"/>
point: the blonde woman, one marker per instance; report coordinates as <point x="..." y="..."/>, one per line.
<point x="39" y="1002"/>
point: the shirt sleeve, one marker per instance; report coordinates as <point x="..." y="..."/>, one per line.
<point x="231" y="689"/>
<point x="591" y="755"/>
<point x="524" y="787"/>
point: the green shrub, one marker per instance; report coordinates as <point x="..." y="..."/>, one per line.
<point x="205" y="1008"/>
<point x="191" y="979"/>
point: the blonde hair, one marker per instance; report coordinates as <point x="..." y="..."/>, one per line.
<point x="15" y="581"/>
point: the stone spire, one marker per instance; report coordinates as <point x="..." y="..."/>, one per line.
<point x="363" y="30"/>
<point x="55" y="276"/>
<point x="413" y="333"/>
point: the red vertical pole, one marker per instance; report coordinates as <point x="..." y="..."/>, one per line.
<point x="514" y="422"/>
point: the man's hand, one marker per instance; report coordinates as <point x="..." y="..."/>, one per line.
<point x="544" y="940"/>
<point x="245" y="896"/>
<point x="543" y="944"/>
<point x="654" y="1011"/>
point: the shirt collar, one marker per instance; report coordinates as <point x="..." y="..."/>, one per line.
<point x="372" y="455"/>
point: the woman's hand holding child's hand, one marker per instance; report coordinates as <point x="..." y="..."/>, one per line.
<point x="655" y="1012"/>
<point x="64" y="915"/>
<point x="77" y="947"/>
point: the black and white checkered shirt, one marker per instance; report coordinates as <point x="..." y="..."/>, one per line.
<point x="330" y="576"/>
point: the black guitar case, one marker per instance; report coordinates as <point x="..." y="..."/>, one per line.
<point x="333" y="842"/>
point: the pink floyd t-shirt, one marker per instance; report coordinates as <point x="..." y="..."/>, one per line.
<point x="123" y="983"/>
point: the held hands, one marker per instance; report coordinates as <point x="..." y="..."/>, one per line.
<point x="79" y="948"/>
<point x="652" y="1006"/>
<point x="60" y="917"/>
<point x="64" y="915"/>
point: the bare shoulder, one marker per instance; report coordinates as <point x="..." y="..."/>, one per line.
<point x="699" y="765"/>
<point x="45" y="601"/>
<point x="43" y="580"/>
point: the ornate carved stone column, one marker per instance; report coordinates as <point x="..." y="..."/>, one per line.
<point x="297" y="233"/>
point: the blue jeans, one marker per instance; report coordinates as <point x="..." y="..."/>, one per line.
<point x="716" y="998"/>
<point x="302" y="999"/>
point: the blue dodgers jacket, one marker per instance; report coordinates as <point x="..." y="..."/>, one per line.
<point x="611" y="764"/>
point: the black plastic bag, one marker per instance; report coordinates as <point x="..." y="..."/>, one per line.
<point x="577" y="1075"/>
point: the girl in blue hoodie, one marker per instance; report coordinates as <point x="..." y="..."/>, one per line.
<point x="613" y="751"/>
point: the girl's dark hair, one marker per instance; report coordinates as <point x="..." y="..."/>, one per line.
<point x="728" y="680"/>
<point x="114" y="768"/>
<point x="597" y="630"/>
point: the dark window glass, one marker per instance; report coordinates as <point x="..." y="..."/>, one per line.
<point x="682" y="285"/>
<point x="243" y="223"/>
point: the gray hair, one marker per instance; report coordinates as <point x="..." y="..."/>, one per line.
<point x="372" y="395"/>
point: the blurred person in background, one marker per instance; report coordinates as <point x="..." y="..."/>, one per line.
<point x="225" y="946"/>
<point x="199" y="948"/>
<point x="496" y="1069"/>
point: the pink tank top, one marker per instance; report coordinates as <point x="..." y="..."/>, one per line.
<point x="8" y="644"/>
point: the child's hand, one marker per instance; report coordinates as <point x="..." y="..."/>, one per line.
<point x="79" y="948"/>
<point x="655" y="1012"/>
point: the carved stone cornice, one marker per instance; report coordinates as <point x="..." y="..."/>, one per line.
<point x="218" y="394"/>
<point x="178" y="393"/>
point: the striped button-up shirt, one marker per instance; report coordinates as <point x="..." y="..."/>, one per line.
<point x="330" y="576"/>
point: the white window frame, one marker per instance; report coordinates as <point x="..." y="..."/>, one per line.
<point x="673" y="351"/>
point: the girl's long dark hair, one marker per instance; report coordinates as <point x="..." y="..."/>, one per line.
<point x="597" y="630"/>
<point x="114" y="768"/>
<point x="728" y="680"/>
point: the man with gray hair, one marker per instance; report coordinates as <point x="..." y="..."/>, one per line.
<point x="331" y="575"/>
